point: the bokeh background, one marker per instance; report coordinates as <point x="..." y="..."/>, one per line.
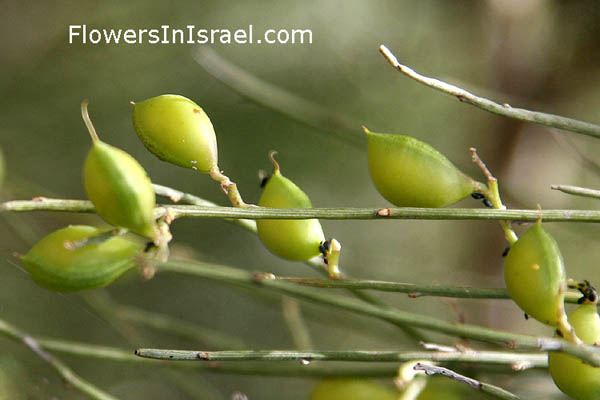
<point x="536" y="54"/>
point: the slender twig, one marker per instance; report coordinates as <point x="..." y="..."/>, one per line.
<point x="555" y="121"/>
<point x="106" y="353"/>
<point x="413" y="290"/>
<point x="535" y="360"/>
<point x="46" y="204"/>
<point x="475" y="384"/>
<point x="577" y="191"/>
<point x="221" y="273"/>
<point x="190" y="211"/>
<point x="64" y="371"/>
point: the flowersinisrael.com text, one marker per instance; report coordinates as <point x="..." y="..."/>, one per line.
<point x="188" y="35"/>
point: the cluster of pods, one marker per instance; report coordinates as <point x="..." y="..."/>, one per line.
<point x="410" y="173"/>
<point x="406" y="171"/>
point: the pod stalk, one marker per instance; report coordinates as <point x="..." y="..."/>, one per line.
<point x="228" y="187"/>
<point x="492" y="193"/>
<point x="563" y="326"/>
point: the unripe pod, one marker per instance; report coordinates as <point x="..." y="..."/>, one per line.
<point x="176" y="130"/>
<point x="296" y="240"/>
<point x="575" y="378"/>
<point x="411" y="173"/>
<point x="351" y="389"/>
<point x="118" y="187"/>
<point x="53" y="264"/>
<point x="535" y="275"/>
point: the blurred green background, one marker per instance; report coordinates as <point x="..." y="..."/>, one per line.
<point x="530" y="53"/>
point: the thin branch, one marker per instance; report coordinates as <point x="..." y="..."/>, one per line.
<point x="63" y="370"/>
<point x="225" y="274"/>
<point x="106" y="353"/>
<point x="505" y="110"/>
<point x="46" y="204"/>
<point x="190" y="211"/>
<point x="535" y="360"/>
<point x="482" y="386"/>
<point x="577" y="191"/>
<point x="413" y="290"/>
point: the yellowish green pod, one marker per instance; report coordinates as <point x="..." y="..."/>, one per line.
<point x="351" y="389"/>
<point x="176" y="130"/>
<point x="118" y="186"/>
<point x="297" y="240"/>
<point x="410" y="173"/>
<point x="535" y="275"/>
<point x="575" y="378"/>
<point x="56" y="264"/>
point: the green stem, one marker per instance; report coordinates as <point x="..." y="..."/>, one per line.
<point x="492" y="390"/>
<point x="532" y="360"/>
<point x="577" y="191"/>
<point x="235" y="276"/>
<point x="64" y="371"/>
<point x="409" y="213"/>
<point x="106" y="353"/>
<point x="412" y="289"/>
<point x="505" y="110"/>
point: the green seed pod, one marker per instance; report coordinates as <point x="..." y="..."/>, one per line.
<point x="176" y="130"/>
<point x="296" y="240"/>
<point x="411" y="173"/>
<point x="351" y="389"/>
<point x="535" y="275"/>
<point x="118" y="186"/>
<point x="575" y="378"/>
<point x="57" y="266"/>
